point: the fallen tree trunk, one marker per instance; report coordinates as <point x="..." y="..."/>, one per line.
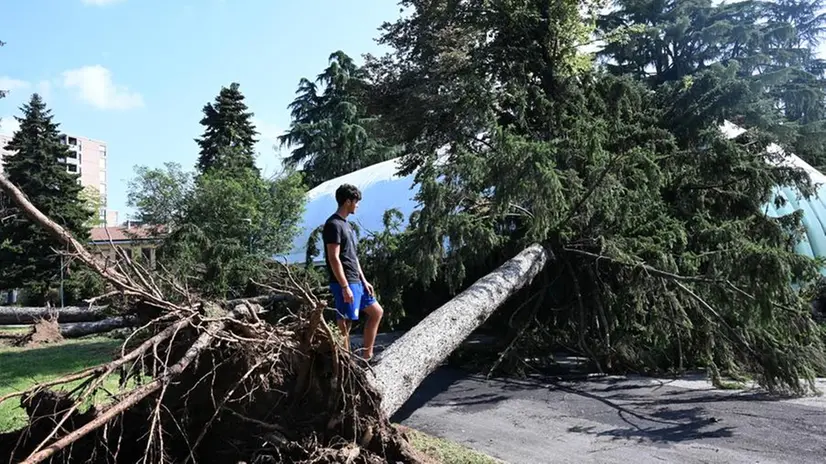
<point x="283" y="392"/>
<point x="404" y="365"/>
<point x="81" y="329"/>
<point x="11" y="315"/>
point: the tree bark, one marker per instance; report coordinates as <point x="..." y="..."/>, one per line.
<point x="403" y="366"/>
<point x="10" y="315"/>
<point x="81" y="329"/>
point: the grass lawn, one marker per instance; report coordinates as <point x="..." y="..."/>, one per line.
<point x="20" y="368"/>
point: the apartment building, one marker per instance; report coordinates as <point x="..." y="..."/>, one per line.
<point x="87" y="157"/>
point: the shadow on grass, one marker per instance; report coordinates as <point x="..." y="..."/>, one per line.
<point x="21" y="367"/>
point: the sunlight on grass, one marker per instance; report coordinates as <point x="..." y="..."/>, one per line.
<point x="20" y="368"/>
<point x="446" y="452"/>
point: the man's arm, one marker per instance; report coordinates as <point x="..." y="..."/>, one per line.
<point x="361" y="274"/>
<point x="364" y="279"/>
<point x="335" y="263"/>
<point x="332" y="242"/>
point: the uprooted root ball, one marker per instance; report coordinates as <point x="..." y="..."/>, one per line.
<point x="258" y="394"/>
<point x="43" y="332"/>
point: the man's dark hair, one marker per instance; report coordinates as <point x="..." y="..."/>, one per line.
<point x="347" y="192"/>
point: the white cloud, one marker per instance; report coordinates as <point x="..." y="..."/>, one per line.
<point x="10" y="84"/>
<point x="99" y="2"/>
<point x="9" y="125"/>
<point x="94" y="85"/>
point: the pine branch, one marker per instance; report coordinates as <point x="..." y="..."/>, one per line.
<point x="672" y="276"/>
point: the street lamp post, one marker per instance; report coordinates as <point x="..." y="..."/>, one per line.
<point x="61" y="280"/>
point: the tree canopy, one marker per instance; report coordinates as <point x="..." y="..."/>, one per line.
<point x="228" y="141"/>
<point x="221" y="222"/>
<point x="665" y="259"/>
<point x="333" y="131"/>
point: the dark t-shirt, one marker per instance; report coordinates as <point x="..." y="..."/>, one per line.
<point x="338" y="230"/>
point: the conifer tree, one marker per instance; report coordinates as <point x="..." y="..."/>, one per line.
<point x="333" y="132"/>
<point x="27" y="252"/>
<point x="228" y="141"/>
<point x="773" y="43"/>
<point x="664" y="258"/>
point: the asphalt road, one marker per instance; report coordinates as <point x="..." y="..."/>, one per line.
<point x="617" y="420"/>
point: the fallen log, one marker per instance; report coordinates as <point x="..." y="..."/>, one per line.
<point x="12" y="315"/>
<point x="404" y="365"/>
<point x="81" y="329"/>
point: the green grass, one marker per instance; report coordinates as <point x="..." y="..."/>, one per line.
<point x="447" y="452"/>
<point x="21" y="368"/>
<point x="13" y="330"/>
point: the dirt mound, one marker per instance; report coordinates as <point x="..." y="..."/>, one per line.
<point x="44" y="332"/>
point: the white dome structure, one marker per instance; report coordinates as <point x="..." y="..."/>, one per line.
<point x="381" y="188"/>
<point x="813" y="242"/>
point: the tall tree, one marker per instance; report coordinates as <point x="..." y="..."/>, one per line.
<point x="228" y="141"/>
<point x="536" y="146"/>
<point x="28" y="253"/>
<point x="332" y="132"/>
<point x="773" y="43"/>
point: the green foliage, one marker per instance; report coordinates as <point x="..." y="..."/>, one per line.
<point x="229" y="225"/>
<point x="332" y="132"/>
<point x="79" y="285"/>
<point x="94" y="203"/>
<point x="160" y="195"/>
<point x="228" y="142"/>
<point x="609" y="172"/>
<point x="224" y="221"/>
<point x="28" y="253"/>
<point x="773" y="42"/>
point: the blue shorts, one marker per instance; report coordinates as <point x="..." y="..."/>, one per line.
<point x="361" y="300"/>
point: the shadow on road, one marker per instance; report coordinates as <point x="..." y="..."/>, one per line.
<point x="435" y="385"/>
<point x="663" y="425"/>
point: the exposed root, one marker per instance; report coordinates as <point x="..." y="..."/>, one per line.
<point x="207" y="381"/>
<point x="238" y="391"/>
<point x="44" y="332"/>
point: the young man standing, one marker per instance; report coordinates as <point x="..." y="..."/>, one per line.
<point x="351" y="291"/>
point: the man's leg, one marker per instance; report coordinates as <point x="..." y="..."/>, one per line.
<point x="346" y="313"/>
<point x="374" y="313"/>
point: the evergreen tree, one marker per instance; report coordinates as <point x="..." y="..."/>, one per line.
<point x="28" y="252"/>
<point x="664" y="257"/>
<point x="228" y="141"/>
<point x="332" y="133"/>
<point x="773" y="43"/>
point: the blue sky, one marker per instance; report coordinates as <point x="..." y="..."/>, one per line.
<point x="136" y="73"/>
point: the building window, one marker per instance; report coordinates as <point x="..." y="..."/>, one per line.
<point x="72" y="141"/>
<point x="71" y="167"/>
